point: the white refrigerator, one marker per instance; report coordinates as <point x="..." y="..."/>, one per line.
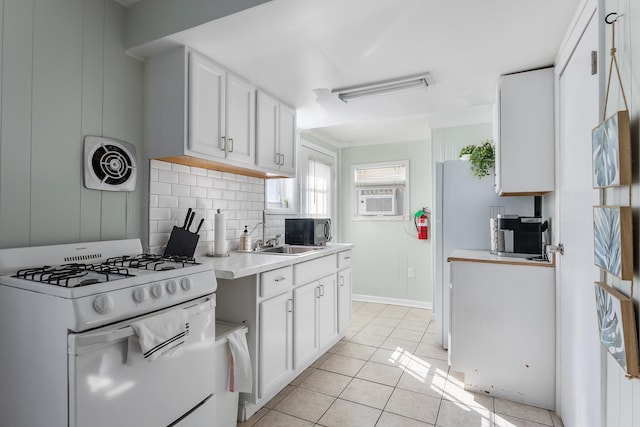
<point x="461" y="221"/>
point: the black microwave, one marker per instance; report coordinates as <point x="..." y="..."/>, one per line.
<point x="307" y="231"/>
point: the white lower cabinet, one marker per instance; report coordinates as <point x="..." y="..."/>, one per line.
<point x="291" y="313"/>
<point x="305" y="314"/>
<point x="274" y="342"/>
<point x="314" y="318"/>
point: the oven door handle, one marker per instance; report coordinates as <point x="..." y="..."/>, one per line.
<point x="114" y="335"/>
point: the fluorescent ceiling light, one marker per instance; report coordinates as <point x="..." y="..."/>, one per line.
<point x="384" y="87"/>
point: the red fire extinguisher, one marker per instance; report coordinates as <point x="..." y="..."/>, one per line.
<point x="421" y="220"/>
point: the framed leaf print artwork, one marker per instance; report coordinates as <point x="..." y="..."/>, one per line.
<point x="611" y="151"/>
<point x="617" y="326"/>
<point x="613" y="240"/>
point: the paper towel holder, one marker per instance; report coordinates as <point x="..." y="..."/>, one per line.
<point x="219" y="216"/>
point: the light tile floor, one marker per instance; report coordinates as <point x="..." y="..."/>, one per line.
<point x="389" y="372"/>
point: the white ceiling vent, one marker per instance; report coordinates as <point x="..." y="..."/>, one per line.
<point x="109" y="164"/>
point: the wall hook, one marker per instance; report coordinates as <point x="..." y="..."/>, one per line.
<point x="610" y="20"/>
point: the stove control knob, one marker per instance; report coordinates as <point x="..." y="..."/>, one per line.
<point x="172" y="287"/>
<point x="140" y="295"/>
<point x="156" y="290"/>
<point x="103" y="304"/>
<point x="185" y="284"/>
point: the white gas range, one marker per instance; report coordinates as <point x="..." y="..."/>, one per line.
<point x="67" y="313"/>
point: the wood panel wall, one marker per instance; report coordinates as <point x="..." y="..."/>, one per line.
<point x="64" y="75"/>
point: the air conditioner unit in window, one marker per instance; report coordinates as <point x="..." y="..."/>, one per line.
<point x="378" y="201"/>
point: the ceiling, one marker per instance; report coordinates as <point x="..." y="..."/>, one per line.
<point x="299" y="50"/>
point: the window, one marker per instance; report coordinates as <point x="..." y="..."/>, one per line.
<point x="381" y="190"/>
<point x="281" y="195"/>
<point x="317" y="181"/>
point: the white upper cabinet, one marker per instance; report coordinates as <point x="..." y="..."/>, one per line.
<point x="524" y="133"/>
<point x="206" y="107"/>
<point x="240" y="119"/>
<point x="275" y="135"/>
<point x="197" y="108"/>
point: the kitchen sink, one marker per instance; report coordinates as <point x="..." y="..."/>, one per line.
<point x="288" y="250"/>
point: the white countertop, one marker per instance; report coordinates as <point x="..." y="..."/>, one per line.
<point x="488" y="257"/>
<point x="241" y="264"/>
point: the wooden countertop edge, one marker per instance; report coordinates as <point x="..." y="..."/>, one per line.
<point x="490" y="261"/>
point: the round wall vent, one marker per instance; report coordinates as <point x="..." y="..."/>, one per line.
<point x="109" y="164"/>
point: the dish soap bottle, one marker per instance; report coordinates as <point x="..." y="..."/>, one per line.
<point x="245" y="240"/>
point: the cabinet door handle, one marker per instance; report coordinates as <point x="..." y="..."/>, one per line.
<point x="290" y="305"/>
<point x="347" y="258"/>
<point x="321" y="290"/>
<point x="317" y="291"/>
<point x="276" y="159"/>
<point x="224" y="143"/>
<point x="341" y="280"/>
<point x="282" y="159"/>
<point x="279" y="279"/>
<point x="231" y="145"/>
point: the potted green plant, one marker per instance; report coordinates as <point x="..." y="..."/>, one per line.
<point x="285" y="202"/>
<point x="482" y="157"/>
<point x="465" y="152"/>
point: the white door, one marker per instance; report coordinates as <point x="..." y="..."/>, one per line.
<point x="578" y="378"/>
<point x="344" y="299"/>
<point x="275" y="342"/>
<point x="327" y="317"/>
<point x="267" y="125"/>
<point x="240" y="113"/>
<point x="206" y="106"/>
<point x="305" y="342"/>
<point x="287" y="139"/>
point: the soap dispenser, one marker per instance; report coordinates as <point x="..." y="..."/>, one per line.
<point x="245" y="240"/>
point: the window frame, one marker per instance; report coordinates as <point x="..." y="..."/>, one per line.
<point x="406" y="190"/>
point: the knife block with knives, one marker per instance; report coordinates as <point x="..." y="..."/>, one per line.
<point x="183" y="242"/>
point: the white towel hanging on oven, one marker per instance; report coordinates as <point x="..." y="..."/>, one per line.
<point x="163" y="334"/>
<point x="239" y="362"/>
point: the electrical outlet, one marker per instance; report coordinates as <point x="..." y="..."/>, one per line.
<point x="410" y="272"/>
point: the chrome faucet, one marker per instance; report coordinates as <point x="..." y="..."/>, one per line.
<point x="262" y="242"/>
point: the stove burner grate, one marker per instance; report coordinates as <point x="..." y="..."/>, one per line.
<point x="65" y="275"/>
<point x="152" y="262"/>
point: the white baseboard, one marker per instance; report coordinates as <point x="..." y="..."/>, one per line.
<point x="394" y="301"/>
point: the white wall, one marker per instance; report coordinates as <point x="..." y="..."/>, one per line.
<point x="64" y="75"/>
<point x="384" y="250"/>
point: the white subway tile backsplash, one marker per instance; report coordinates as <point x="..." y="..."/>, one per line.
<point x="220" y="184"/>
<point x="214" y="174"/>
<point x="198" y="171"/>
<point x="180" y="168"/>
<point x="159" y="213"/>
<point x="166" y="226"/>
<point x="180" y="190"/>
<point x="158" y="239"/>
<point x="204" y="203"/>
<point x="159" y="188"/>
<point x="167" y="201"/>
<point x="158" y="164"/>
<point x="229" y="195"/>
<point x="169" y="177"/>
<point x="213" y="193"/>
<point x="204" y="181"/>
<point x="186" y="178"/>
<point x="175" y="188"/>
<point x="187" y="202"/>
